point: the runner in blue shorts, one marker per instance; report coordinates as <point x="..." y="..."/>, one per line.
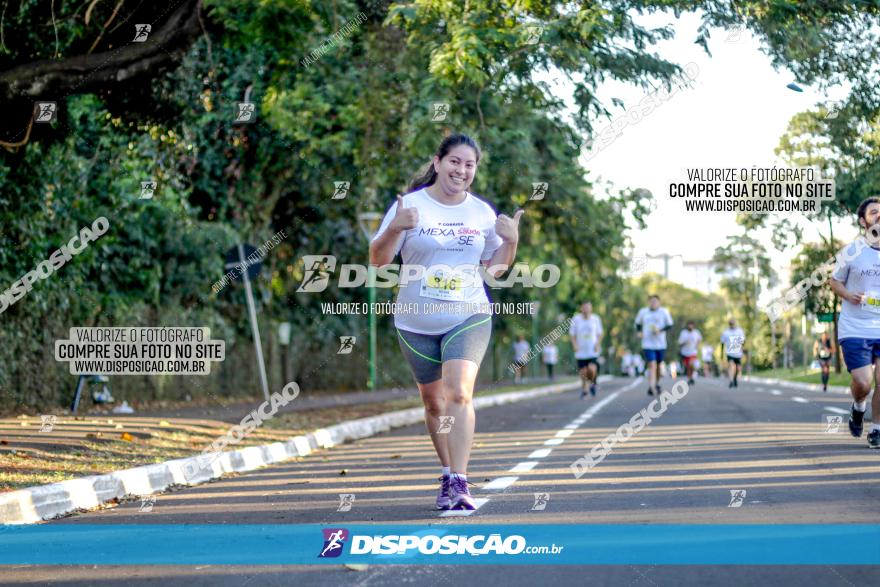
<point x="856" y="280"/>
<point x="446" y="232"/>
<point x="652" y="323"/>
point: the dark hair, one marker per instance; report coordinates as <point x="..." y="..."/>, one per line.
<point x="654" y="296"/>
<point x="863" y="207"/>
<point x="428" y="176"/>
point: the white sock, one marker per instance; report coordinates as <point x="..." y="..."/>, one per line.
<point x="446" y="471"/>
<point x="861" y="406"/>
<point x="461" y="476"/>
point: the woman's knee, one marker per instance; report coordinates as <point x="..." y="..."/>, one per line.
<point x="457" y="392"/>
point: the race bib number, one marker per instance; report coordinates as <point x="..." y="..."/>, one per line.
<point x="872" y="301"/>
<point x="443" y="285"/>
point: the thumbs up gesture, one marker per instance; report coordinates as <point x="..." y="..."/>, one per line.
<point x="405" y="218"/>
<point x="508" y="228"/>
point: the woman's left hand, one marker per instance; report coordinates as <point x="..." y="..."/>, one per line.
<point x="508" y="228"/>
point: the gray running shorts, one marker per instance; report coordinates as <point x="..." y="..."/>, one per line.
<point x="427" y="352"/>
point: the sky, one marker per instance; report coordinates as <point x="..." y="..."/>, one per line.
<point x="733" y="115"/>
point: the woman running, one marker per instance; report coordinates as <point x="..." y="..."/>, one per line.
<point x="445" y="230"/>
<point x="823" y="349"/>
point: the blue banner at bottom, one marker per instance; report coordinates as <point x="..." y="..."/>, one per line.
<point x="523" y="544"/>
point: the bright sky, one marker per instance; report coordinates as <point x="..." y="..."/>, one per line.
<point x="733" y="115"/>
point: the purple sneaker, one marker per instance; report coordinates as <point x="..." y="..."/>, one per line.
<point x="443" y="495"/>
<point x="461" y="497"/>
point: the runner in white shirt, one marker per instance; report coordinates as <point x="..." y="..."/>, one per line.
<point x="586" y="334"/>
<point x="440" y="223"/>
<point x="708" y="359"/>
<point x="550" y="355"/>
<point x="520" y="357"/>
<point x="652" y="323"/>
<point x="627" y="364"/>
<point x="856" y="280"/>
<point x="733" y="340"/>
<point x="688" y="341"/>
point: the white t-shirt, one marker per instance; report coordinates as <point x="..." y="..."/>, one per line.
<point x="521" y="349"/>
<point x="653" y="322"/>
<point x="585" y="332"/>
<point x="449" y="242"/>
<point x="708" y="353"/>
<point x="691" y="339"/>
<point x="733" y="339"/>
<point x="551" y="354"/>
<point x="860" y="274"/>
<point x="626" y="360"/>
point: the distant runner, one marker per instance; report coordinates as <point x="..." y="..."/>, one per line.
<point x="823" y="350"/>
<point x="708" y="359"/>
<point x="857" y="282"/>
<point x="586" y="333"/>
<point x="733" y="340"/>
<point x="652" y="323"/>
<point x="688" y="341"/>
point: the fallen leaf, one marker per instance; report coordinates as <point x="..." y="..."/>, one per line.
<point x="395" y="456"/>
<point x="126" y="436"/>
<point x="119" y="426"/>
<point x="343" y="472"/>
<point x="4" y="442"/>
<point x="164" y="423"/>
<point x="356" y="567"/>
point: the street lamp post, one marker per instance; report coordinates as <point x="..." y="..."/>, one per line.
<point x="369" y="223"/>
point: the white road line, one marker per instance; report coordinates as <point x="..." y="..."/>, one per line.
<point x="835" y="410"/>
<point x="800" y="400"/>
<point x="478" y="502"/>
<point x="524" y="466"/>
<point x="499" y="483"/>
<point x="540" y="453"/>
<point x="571" y="426"/>
<point x="505" y="482"/>
<point x="775" y="392"/>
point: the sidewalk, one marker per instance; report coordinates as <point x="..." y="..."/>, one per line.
<point x="34" y="451"/>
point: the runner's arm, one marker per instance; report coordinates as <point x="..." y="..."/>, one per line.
<point x="384" y="248"/>
<point x="840" y="289"/>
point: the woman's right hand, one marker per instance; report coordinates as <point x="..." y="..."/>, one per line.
<point x="405" y="218"/>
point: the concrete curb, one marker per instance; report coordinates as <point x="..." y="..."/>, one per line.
<point x="796" y="385"/>
<point x="44" y="502"/>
